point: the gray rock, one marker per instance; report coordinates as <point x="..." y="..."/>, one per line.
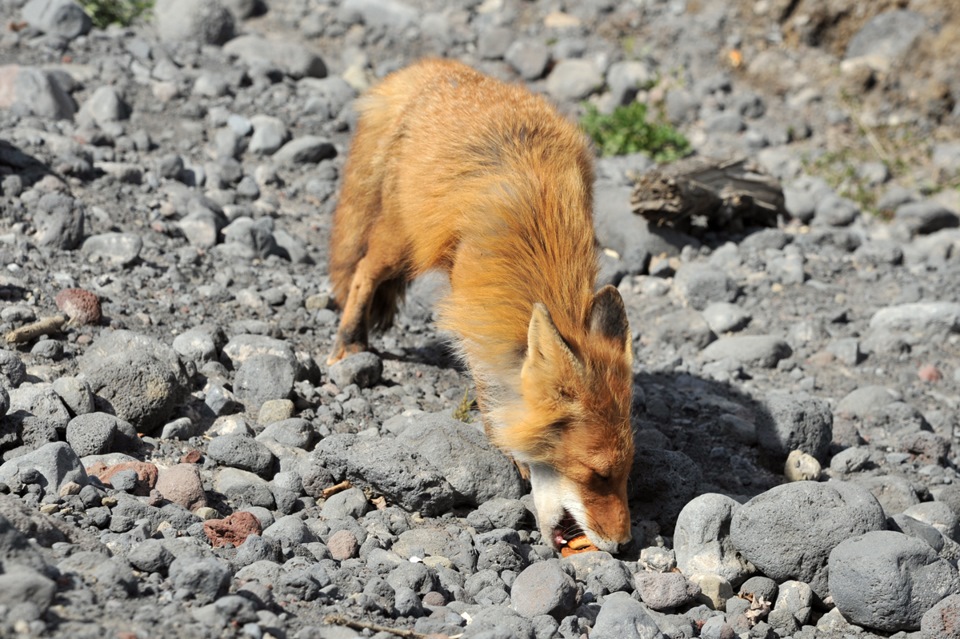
<point x="308" y="149"/>
<point x="626" y="77"/>
<point x="244" y="488"/>
<point x="915" y="528"/>
<point x="389" y="468"/>
<point x="199" y="344"/>
<point x="19" y="527"/>
<point x="33" y="91"/>
<point x="150" y="555"/>
<point x="702" y="541"/>
<point x="242" y="452"/>
<point x="724" y="317"/>
<point x="264" y="377"/>
<point x="499" y="512"/>
<point x="629" y="235"/>
<point x="834" y="210"/>
<point x="201" y="579"/>
<point x="121" y="249"/>
<point x="760" y="586"/>
<point x="925" y="217"/>
<point x="788" y="531"/>
<point x="293" y="58"/>
<point x="55" y="464"/>
<point x="795" y="598"/>
<point x="664" y="590"/>
<point x="94" y="434"/>
<point x="290" y="531"/>
<point x="940" y="622"/>
<point x="886" y="580"/>
<point x="437" y="543"/>
<point x="254" y="235"/>
<point x="887" y="36"/>
<point x="544" y="588"/>
<point x="573" y="79"/>
<point x="795" y="421"/>
<point x="242" y="347"/>
<point x="59" y="221"/>
<point x="269" y="134"/>
<point x="363" y="369"/>
<point x="136" y="377"/>
<point x="350" y="503"/>
<point x="682" y="327"/>
<point x="918" y="317"/>
<point x="763" y="351"/>
<point x="498" y="622"/>
<point x="294" y="432"/>
<point x="529" y="58"/>
<point x="203" y="21"/>
<point x="24" y="585"/>
<point x="894" y="493"/>
<point x="104" y="106"/>
<point x="622" y="617"/>
<point x="493" y="42"/>
<point x="202" y="228"/>
<point x="465" y="457"/>
<point x="63" y="18"/>
<point x="327" y="96"/>
<point x="35" y="416"/>
<point x="12" y="369"/>
<point x="75" y="394"/>
<point x="938" y="515"/>
<point x="392" y="15"/>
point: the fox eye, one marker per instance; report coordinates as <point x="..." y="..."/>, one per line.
<point x="601" y="475"/>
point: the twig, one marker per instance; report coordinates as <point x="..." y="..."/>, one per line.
<point x="336" y="488"/>
<point x="340" y="620"/>
<point x="44" y="326"/>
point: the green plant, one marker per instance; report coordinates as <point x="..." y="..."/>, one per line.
<point x="627" y="130"/>
<point x="462" y="411"/>
<point x="103" y="13"/>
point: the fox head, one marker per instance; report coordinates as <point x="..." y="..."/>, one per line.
<point x="573" y="429"/>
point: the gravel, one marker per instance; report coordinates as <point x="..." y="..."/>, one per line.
<point x="179" y="461"/>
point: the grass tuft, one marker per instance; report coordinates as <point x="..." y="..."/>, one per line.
<point x="627" y="131"/>
<point x="103" y="13"/>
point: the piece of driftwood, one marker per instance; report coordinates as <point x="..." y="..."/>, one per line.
<point x="699" y="194"/>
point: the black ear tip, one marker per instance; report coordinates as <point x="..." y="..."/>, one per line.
<point x="608" y="314"/>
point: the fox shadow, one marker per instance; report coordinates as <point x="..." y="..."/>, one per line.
<point x="694" y="436"/>
<point x="14" y="161"/>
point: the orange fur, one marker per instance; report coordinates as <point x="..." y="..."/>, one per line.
<point x="453" y="170"/>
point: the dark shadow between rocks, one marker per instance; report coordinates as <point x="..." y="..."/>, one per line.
<point x="16" y="162"/>
<point x="694" y="436"/>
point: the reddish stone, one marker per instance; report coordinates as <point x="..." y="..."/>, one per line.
<point x="82" y="307"/>
<point x="182" y="485"/>
<point x="191" y="457"/>
<point x="343" y="545"/>
<point x="233" y="529"/>
<point x="929" y="373"/>
<point x="147" y="474"/>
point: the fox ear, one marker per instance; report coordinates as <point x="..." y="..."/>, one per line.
<point x="546" y="348"/>
<point x="608" y="317"/>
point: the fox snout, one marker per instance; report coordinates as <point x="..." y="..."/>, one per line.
<point x="571" y="506"/>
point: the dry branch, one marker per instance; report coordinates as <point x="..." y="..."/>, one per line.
<point x="699" y="194"/>
<point x="44" y="326"/>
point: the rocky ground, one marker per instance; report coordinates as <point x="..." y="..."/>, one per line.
<point x="178" y="461"/>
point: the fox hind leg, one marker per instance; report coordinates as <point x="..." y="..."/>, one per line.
<point x="383" y="263"/>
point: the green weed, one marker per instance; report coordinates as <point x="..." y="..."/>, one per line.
<point x="627" y="131"/>
<point x="462" y="411"/>
<point x="122" y="12"/>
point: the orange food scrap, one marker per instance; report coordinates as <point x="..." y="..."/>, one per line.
<point x="577" y="545"/>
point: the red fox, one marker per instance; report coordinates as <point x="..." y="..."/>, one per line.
<point x="453" y="170"/>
